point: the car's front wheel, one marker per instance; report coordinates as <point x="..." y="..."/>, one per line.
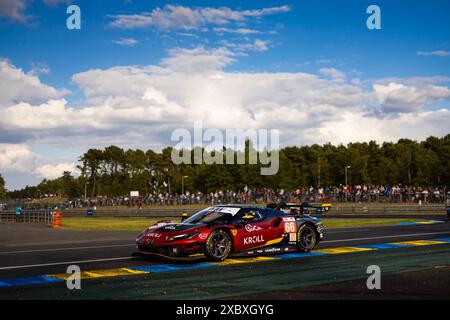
<point x="306" y="238"/>
<point x="218" y="245"/>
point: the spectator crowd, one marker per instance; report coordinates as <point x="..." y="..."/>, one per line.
<point x="341" y="193"/>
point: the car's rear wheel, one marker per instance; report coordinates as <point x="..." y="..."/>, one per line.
<point x="218" y="245"/>
<point x="306" y="238"/>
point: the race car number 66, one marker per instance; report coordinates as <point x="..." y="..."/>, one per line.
<point x="252" y="309"/>
<point x="289" y="227"/>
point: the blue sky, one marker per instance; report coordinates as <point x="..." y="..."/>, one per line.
<point x="312" y="30"/>
<point x="318" y="54"/>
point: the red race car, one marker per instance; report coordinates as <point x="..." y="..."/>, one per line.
<point x="220" y="231"/>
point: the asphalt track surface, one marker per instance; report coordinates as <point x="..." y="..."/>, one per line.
<point x="421" y="271"/>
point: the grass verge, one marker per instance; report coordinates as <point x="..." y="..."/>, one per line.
<point x="345" y="223"/>
<point x="110" y="224"/>
<point x="132" y="224"/>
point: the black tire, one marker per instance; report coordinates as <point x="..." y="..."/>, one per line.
<point x="218" y="245"/>
<point x="306" y="238"/>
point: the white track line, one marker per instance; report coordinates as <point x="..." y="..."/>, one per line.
<point x="69" y="248"/>
<point x="125" y="258"/>
<point x="62" y="263"/>
<point x="387" y="237"/>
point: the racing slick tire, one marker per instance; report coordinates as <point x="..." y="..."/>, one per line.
<point x="306" y="238"/>
<point x="218" y="245"/>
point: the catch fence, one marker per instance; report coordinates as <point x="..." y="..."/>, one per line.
<point x="28" y="216"/>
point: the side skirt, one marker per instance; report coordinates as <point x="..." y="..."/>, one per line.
<point x="269" y="250"/>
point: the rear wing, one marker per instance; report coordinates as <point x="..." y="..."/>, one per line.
<point x="301" y="208"/>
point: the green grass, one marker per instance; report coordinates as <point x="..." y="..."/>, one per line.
<point x="111" y="224"/>
<point x="131" y="224"/>
<point x="342" y="223"/>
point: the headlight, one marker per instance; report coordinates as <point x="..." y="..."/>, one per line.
<point x="183" y="236"/>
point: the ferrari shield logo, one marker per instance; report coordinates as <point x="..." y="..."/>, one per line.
<point x="233" y="232"/>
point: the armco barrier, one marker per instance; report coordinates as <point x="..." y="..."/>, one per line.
<point x="337" y="211"/>
<point x="154" y="212"/>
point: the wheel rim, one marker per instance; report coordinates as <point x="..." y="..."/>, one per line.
<point x="218" y="245"/>
<point x="308" y="238"/>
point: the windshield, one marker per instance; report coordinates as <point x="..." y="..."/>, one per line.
<point x="211" y="214"/>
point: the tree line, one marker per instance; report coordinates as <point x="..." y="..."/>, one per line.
<point x="114" y="171"/>
<point x="2" y="187"/>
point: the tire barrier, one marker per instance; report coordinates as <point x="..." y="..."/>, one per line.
<point x="56" y="219"/>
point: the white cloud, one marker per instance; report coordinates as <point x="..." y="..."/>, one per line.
<point x="177" y="17"/>
<point x="332" y="73"/>
<point x="190" y="84"/>
<point x="399" y="97"/>
<point x="259" y="45"/>
<point x="414" y="81"/>
<point x="133" y="21"/>
<point x="44" y="116"/>
<point x="19" y="165"/>
<point x="39" y="68"/>
<point x="243" y="31"/>
<point x="181" y="17"/>
<point x="55" y="3"/>
<point x="16" y="157"/>
<point x="130" y="42"/>
<point x="256" y="45"/>
<point x="52" y="171"/>
<point x="266" y="11"/>
<point x="197" y="59"/>
<point x="351" y="126"/>
<point x="13" y="9"/>
<point x="324" y="61"/>
<point x="136" y="106"/>
<point x="438" y="53"/>
<point x="240" y="47"/>
<point x="16" y="86"/>
<point x="151" y="94"/>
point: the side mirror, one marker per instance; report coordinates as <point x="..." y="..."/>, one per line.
<point x="247" y="218"/>
<point x="183" y="217"/>
<point x="277" y="221"/>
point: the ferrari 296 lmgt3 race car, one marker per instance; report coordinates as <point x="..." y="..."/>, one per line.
<point x="223" y="230"/>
